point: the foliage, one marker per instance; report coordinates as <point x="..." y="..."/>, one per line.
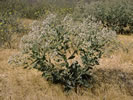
<point x="9" y="26"/>
<point x="115" y="14"/>
<point x="36" y="9"/>
<point x="64" y="50"/>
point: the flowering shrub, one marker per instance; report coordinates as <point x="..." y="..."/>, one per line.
<point x="64" y="50"/>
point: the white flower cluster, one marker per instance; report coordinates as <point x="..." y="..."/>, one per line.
<point x="53" y="33"/>
<point x="17" y="59"/>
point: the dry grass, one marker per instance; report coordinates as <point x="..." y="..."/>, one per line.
<point x="26" y="22"/>
<point x="114" y="79"/>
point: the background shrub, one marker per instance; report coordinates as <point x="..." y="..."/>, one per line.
<point x="64" y="50"/>
<point x="35" y="9"/>
<point x="9" y="26"/>
<point x="114" y="14"/>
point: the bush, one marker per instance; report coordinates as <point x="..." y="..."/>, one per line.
<point x="64" y="50"/>
<point x="10" y="24"/>
<point x="114" y="14"/>
<point x="38" y="8"/>
<point x="35" y="9"/>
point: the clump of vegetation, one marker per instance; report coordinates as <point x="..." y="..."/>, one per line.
<point x="36" y="9"/>
<point x="10" y="24"/>
<point x="64" y="50"/>
<point x="114" y="14"/>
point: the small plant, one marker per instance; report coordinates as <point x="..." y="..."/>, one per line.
<point x="64" y="50"/>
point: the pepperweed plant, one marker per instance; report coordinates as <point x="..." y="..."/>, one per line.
<point x="64" y="50"/>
